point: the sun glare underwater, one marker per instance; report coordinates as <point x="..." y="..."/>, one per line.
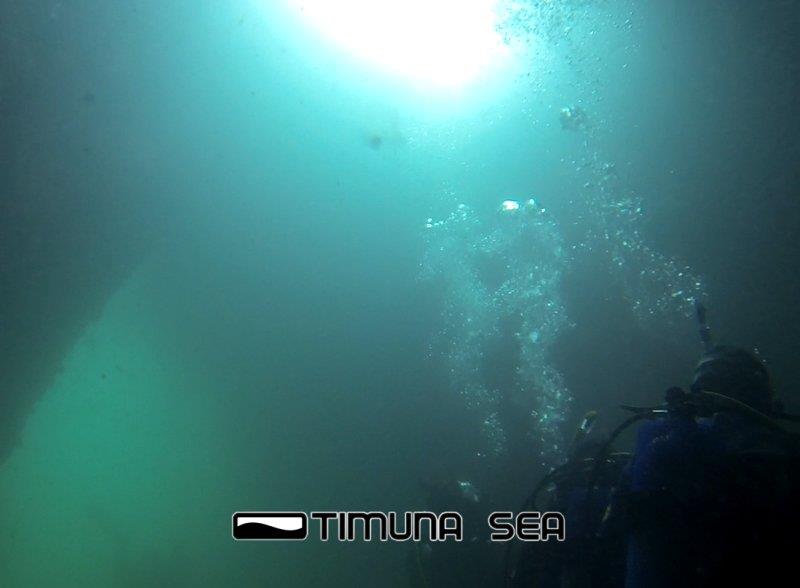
<point x="433" y="44"/>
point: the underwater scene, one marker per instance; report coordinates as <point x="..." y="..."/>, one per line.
<point x="402" y="293"/>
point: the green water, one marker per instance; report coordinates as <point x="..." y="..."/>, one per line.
<point x="245" y="270"/>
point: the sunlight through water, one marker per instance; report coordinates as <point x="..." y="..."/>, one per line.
<point x="435" y="44"/>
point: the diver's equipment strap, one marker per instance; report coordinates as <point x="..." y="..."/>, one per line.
<point x="719" y="402"/>
<point x="710" y="402"/>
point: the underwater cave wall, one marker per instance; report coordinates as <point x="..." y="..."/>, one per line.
<point x="74" y="220"/>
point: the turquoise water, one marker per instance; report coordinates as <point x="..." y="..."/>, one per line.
<point x="246" y="269"/>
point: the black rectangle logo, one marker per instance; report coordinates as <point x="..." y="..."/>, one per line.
<point x="265" y="526"/>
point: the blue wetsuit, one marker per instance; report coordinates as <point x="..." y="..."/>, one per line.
<point x="667" y="491"/>
<point x="708" y="503"/>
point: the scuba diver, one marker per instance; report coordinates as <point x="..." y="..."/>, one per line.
<point x="709" y="496"/>
<point x="471" y="562"/>
<point x="580" y="489"/>
<point x="712" y="491"/>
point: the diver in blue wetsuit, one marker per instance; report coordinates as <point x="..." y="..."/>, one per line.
<point x="711" y="489"/>
<point x="667" y="492"/>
